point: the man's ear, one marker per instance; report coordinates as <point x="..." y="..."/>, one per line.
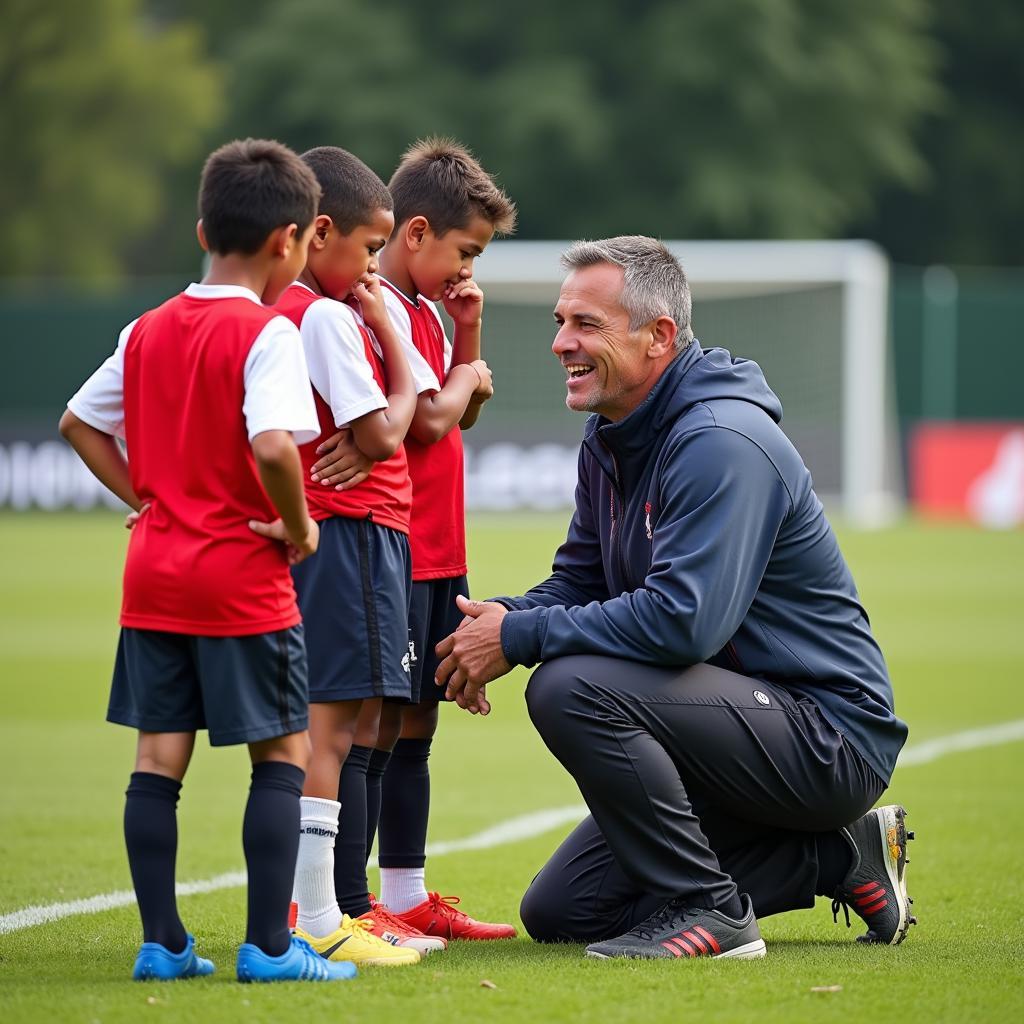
<point x="415" y="232"/>
<point x="663" y="337"/>
<point x="201" y="235"/>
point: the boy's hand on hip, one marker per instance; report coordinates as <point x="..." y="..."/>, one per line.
<point x="132" y="518"/>
<point x="298" y="548"/>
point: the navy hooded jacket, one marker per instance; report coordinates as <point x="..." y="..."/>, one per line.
<point x="697" y="537"/>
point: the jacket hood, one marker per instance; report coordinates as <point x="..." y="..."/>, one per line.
<point x="696" y="376"/>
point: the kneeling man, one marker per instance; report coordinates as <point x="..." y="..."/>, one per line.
<point x="707" y="672"/>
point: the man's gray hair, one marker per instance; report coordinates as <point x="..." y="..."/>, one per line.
<point x="654" y="284"/>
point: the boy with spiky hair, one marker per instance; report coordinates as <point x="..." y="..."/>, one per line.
<point x="210" y="392"/>
<point x="447" y="209"/>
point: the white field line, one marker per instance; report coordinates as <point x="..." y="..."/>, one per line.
<point x="513" y="830"/>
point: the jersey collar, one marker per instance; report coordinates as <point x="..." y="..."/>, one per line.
<point x="222" y="291"/>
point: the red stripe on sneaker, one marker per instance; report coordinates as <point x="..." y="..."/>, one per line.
<point x="672" y="948"/>
<point x="707" y="935"/>
<point x="874" y="908"/>
<point x="698" y="942"/>
<point x="870" y="898"/>
<point x="682" y="942"/>
<point x="866" y="887"/>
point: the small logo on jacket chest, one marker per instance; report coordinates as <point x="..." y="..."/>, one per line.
<point x="647" y="520"/>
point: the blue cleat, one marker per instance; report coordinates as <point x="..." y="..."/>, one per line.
<point x="158" y="963"/>
<point x="300" y="962"/>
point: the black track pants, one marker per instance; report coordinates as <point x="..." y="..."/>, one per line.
<point x="699" y="782"/>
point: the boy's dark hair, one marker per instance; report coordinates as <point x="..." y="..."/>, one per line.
<point x="249" y="188"/>
<point x="442" y="181"/>
<point x="351" y="192"/>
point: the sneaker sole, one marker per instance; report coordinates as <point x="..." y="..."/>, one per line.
<point x="748" y="951"/>
<point x="424" y="946"/>
<point x="385" y="961"/>
<point x="893" y="819"/>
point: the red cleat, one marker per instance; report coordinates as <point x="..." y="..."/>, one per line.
<point x="393" y="929"/>
<point x="437" y="915"/>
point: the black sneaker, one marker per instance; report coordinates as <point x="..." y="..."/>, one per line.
<point x="677" y="931"/>
<point x="876" y="884"/>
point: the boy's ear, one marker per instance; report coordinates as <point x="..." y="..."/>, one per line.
<point x="321" y="230"/>
<point x="416" y="229"/>
<point x="282" y="240"/>
<point x="201" y="235"/>
<point x="663" y="340"/>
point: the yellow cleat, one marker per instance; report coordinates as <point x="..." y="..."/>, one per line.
<point x="355" y="942"/>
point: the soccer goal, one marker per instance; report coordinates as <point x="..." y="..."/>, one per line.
<point x="814" y="315"/>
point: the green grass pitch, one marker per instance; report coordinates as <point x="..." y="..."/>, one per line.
<point x="947" y="605"/>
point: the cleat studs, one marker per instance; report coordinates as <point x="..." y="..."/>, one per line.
<point x="913" y="920"/>
<point x="910" y="835"/>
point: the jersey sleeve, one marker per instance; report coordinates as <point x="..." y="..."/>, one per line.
<point x="277" y="391"/>
<point x="338" y="367"/>
<point x="100" y="400"/>
<point x="423" y="376"/>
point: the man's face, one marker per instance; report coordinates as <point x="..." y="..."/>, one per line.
<point x="338" y="261"/>
<point x="608" y="369"/>
<point x="445" y="260"/>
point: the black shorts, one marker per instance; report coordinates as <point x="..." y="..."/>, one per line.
<point x="354" y="598"/>
<point x="241" y="689"/>
<point x="433" y="615"/>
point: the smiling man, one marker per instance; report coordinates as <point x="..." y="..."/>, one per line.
<point x="708" y="675"/>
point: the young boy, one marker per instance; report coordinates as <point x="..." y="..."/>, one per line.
<point x="354" y="594"/>
<point x="446" y="210"/>
<point x="207" y="391"/>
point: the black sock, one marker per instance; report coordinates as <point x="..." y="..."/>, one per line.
<point x="374" y="777"/>
<point x="151" y="836"/>
<point x="405" y="806"/>
<point x="270" y="838"/>
<point x="732" y="907"/>
<point x="350" y="883"/>
<point x="835" y="858"/>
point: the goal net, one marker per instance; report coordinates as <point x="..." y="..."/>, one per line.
<point x="814" y="315"/>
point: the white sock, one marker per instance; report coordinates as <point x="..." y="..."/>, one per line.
<point x="401" y="889"/>
<point x="319" y="914"/>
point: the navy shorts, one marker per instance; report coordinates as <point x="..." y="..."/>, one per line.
<point x="354" y="598"/>
<point x="241" y="689"/>
<point x="433" y="615"/>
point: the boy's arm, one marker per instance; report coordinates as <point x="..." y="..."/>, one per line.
<point x="279" y="411"/>
<point x="458" y="402"/>
<point x="378" y="434"/>
<point x="102" y="455"/>
<point x="280" y="471"/>
<point x="94" y="419"/>
<point x="468" y="385"/>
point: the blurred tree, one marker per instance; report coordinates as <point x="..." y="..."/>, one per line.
<point x="749" y="118"/>
<point x="970" y="206"/>
<point x="98" y="103"/>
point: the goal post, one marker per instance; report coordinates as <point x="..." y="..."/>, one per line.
<point x="815" y="315"/>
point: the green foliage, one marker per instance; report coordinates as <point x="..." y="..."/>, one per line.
<point x="969" y="208"/>
<point x="757" y="117"/>
<point x="97" y="104"/>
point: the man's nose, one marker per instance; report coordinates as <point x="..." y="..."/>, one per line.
<point x="564" y="341"/>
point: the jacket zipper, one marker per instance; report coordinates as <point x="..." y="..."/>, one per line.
<point x="613" y="533"/>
